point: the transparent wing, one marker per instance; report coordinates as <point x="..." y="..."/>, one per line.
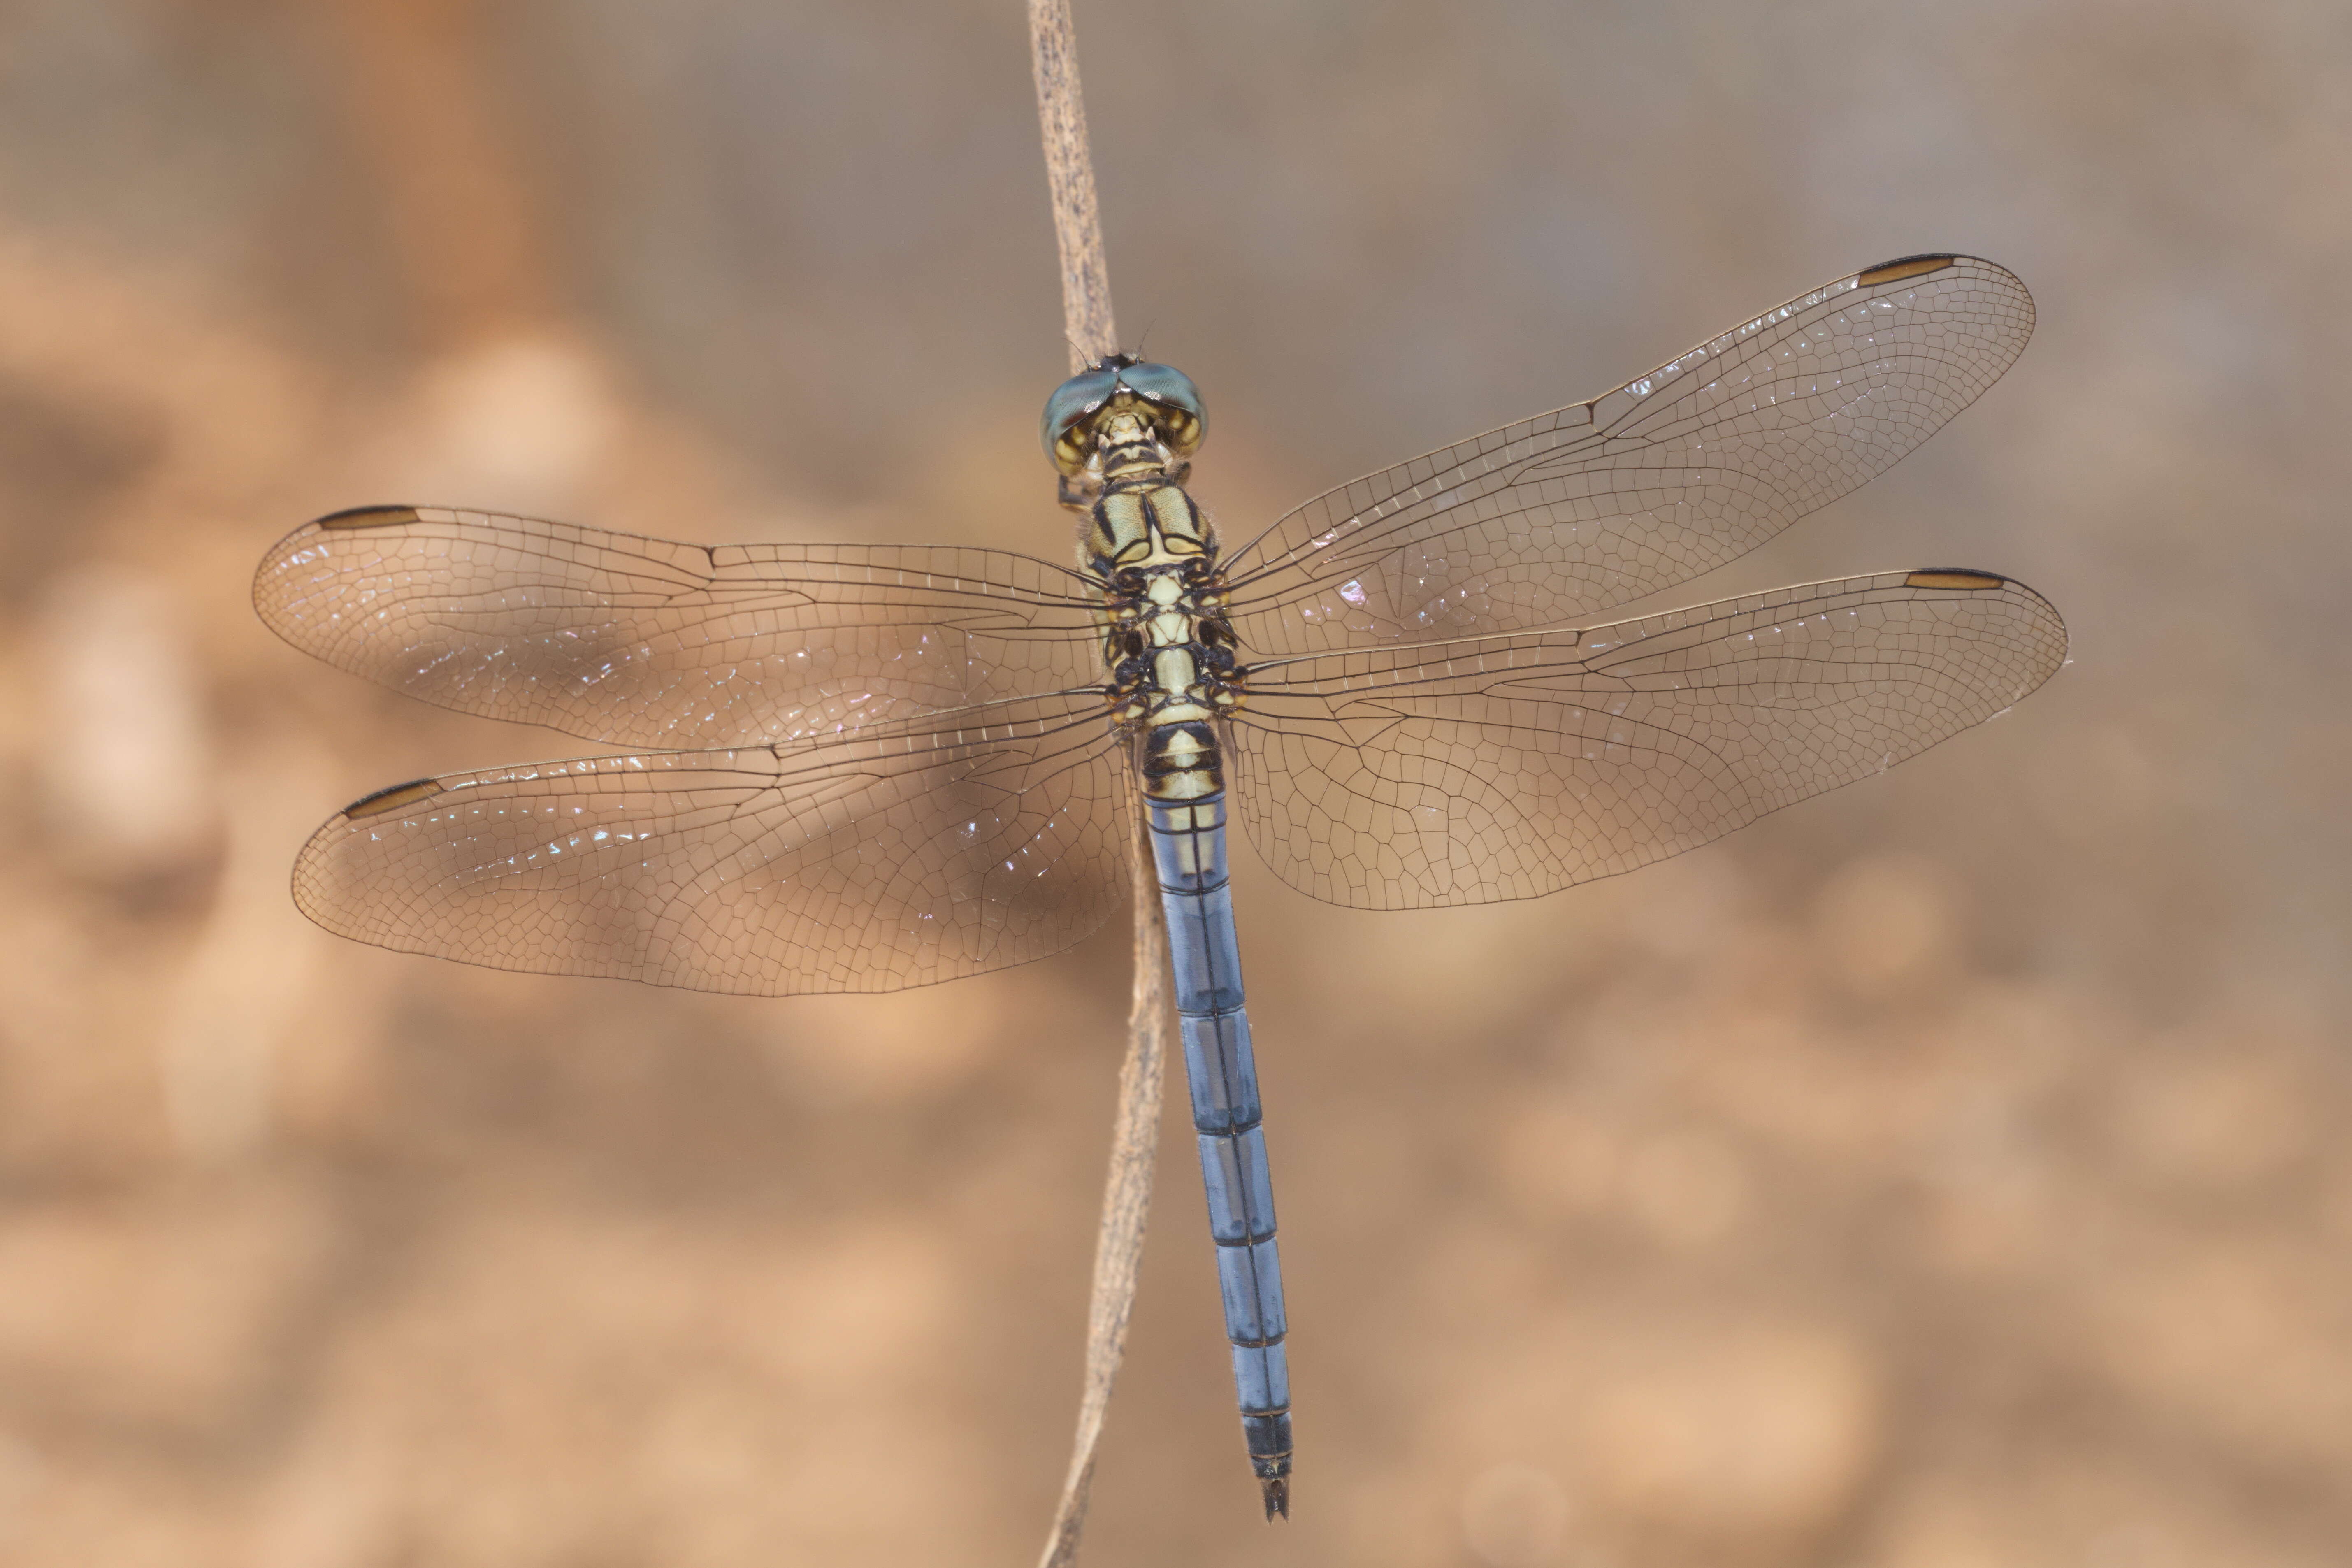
<point x="1506" y="767"/>
<point x="637" y="642"/>
<point x="1600" y="503"/>
<point x="903" y="855"/>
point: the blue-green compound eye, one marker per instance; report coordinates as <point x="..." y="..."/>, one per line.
<point x="1166" y="385"/>
<point x="1073" y="401"/>
<point x="1173" y="401"/>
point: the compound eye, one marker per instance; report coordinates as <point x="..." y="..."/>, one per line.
<point x="1182" y="421"/>
<point x="1066" y="415"/>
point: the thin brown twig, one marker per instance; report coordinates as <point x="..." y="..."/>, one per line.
<point x="1070" y="176"/>
<point x="1126" y="1188"/>
<point x="1127" y="1203"/>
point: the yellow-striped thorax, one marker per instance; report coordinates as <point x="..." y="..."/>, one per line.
<point x="1123" y="434"/>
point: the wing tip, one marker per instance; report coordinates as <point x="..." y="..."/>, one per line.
<point x="1972" y="580"/>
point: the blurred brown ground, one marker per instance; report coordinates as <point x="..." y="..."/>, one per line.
<point x="1950" y="1173"/>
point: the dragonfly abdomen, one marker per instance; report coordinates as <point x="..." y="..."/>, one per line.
<point x="1188" y="844"/>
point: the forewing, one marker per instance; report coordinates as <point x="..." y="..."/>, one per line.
<point x="1508" y="767"/>
<point x="638" y="642"/>
<point x="1672" y="474"/>
<point x="901" y="855"/>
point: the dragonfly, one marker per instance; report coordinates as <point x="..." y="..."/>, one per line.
<point x="860" y="768"/>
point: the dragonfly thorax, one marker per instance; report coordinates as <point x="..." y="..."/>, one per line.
<point x="1169" y="646"/>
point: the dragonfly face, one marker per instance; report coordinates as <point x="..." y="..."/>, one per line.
<point x="861" y="767"/>
<point x="1120" y="413"/>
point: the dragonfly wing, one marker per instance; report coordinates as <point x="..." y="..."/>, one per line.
<point x="1672" y="474"/>
<point x="639" y="642"/>
<point x="903" y="855"/>
<point x="1511" y="766"/>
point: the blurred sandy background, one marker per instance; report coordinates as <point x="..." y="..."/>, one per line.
<point x="1950" y="1173"/>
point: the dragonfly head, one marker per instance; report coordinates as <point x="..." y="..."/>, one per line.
<point x="1121" y="401"/>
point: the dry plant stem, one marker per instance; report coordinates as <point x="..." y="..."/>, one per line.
<point x="1135" y="1132"/>
<point x="1070" y="176"/>
<point x="1126" y="1200"/>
